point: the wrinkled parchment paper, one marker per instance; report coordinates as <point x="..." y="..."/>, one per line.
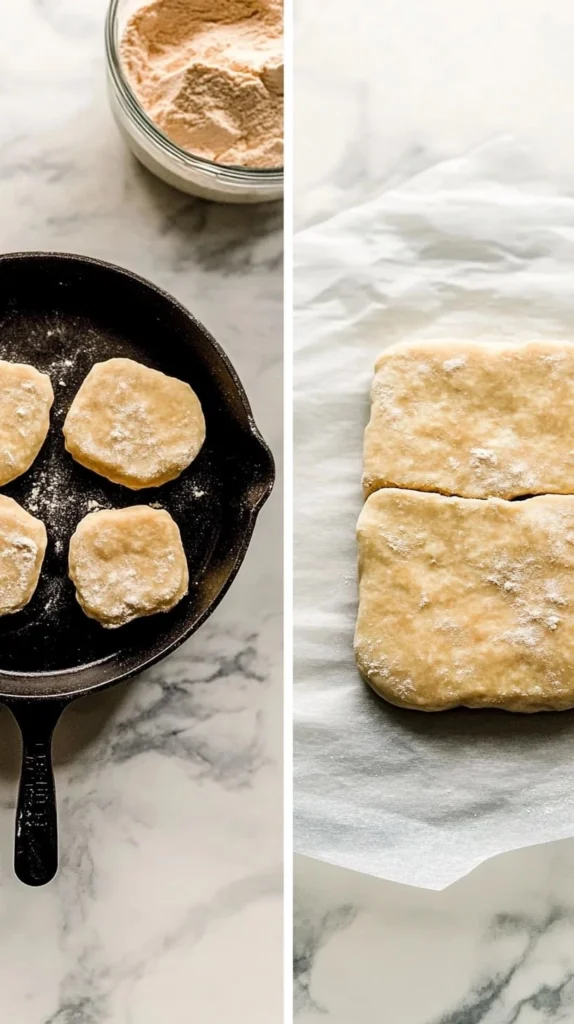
<point x="479" y="247"/>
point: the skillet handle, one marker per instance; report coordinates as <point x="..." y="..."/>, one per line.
<point x="36" y="843"/>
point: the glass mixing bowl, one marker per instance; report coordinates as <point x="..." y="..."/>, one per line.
<point x="164" y="158"/>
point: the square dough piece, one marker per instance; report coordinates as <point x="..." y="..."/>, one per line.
<point x="470" y="602"/>
<point x="473" y="419"/>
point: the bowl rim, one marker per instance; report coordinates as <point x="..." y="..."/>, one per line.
<point x="230" y="173"/>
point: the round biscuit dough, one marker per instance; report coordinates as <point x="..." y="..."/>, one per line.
<point x="133" y="425"/>
<point x="126" y="563"/>
<point x="26" y="397"/>
<point x="23" y="543"/>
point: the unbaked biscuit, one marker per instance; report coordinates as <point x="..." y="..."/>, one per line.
<point x="472" y="419"/>
<point x="464" y="601"/>
<point x="22" y="548"/>
<point x="26" y="397"/>
<point x="134" y="425"/>
<point x="126" y="563"/>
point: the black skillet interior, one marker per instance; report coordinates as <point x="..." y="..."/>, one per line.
<point x="63" y="314"/>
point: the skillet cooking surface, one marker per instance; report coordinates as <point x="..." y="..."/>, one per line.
<point x="63" y="314"/>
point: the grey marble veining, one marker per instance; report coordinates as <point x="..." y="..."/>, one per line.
<point x="168" y="903"/>
<point x="495" y="948"/>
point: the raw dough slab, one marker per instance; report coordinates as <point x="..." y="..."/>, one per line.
<point x="467" y="602"/>
<point x="473" y="419"/>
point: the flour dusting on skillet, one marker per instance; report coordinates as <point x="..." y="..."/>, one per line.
<point x="56" y="489"/>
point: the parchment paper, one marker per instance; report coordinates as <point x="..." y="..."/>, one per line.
<point x="479" y="247"/>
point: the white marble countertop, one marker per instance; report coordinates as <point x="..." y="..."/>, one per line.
<point x="384" y="90"/>
<point x="168" y="901"/>
<point x="494" y="948"/>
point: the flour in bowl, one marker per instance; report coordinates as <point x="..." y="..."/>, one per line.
<point x="209" y="74"/>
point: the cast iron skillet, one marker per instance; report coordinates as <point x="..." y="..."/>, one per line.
<point x="63" y="313"/>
